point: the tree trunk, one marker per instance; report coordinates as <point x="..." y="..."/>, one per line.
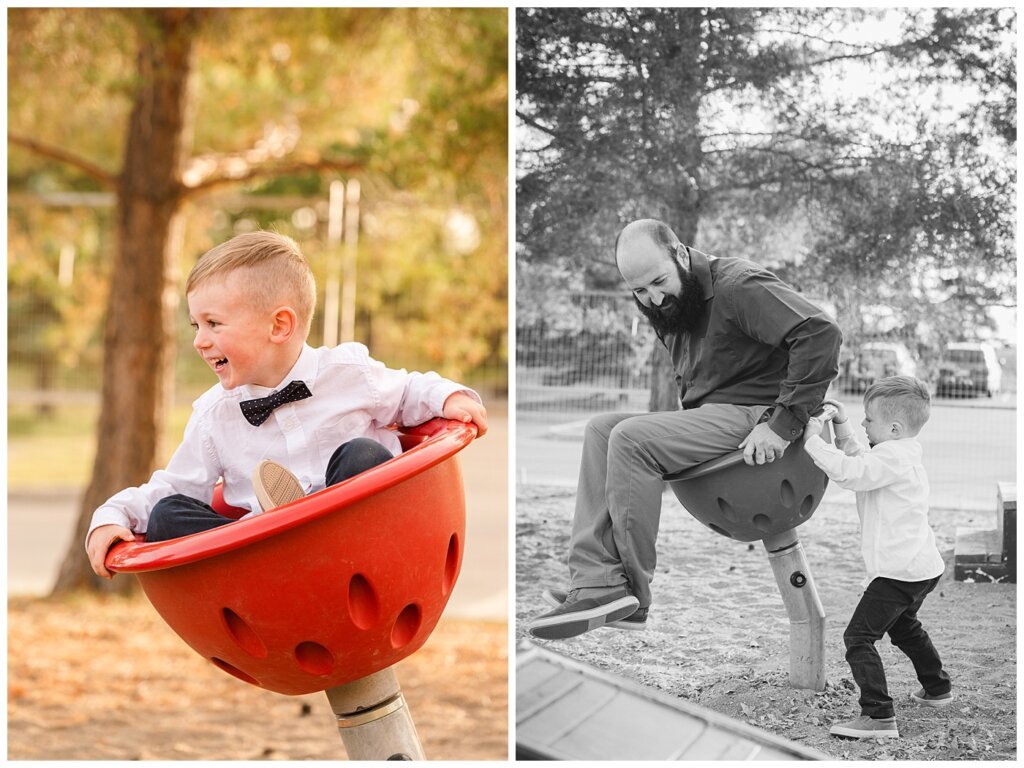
<point x="138" y="336"/>
<point x="678" y="87"/>
<point x="46" y="370"/>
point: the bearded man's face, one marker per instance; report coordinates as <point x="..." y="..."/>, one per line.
<point x="680" y="312"/>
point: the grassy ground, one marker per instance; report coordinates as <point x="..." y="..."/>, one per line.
<point x="66" y="439"/>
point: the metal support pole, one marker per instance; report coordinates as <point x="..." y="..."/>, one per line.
<point x="373" y="720"/>
<point x="332" y="287"/>
<point x="806" y="614"/>
<point x="348" y="264"/>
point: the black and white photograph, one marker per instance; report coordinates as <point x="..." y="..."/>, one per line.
<point x="765" y="383"/>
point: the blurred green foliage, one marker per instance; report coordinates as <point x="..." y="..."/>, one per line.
<point x="415" y="98"/>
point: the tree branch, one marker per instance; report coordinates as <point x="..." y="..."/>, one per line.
<point x="553" y="133"/>
<point x="51" y="152"/>
<point x="235" y="174"/>
<point x="534" y="124"/>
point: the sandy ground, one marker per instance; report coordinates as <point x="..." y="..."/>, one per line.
<point x="104" y="679"/>
<point x="718" y="632"/>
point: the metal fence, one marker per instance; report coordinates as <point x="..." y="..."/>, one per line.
<point x="594" y="356"/>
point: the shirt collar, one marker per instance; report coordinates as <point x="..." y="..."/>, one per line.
<point x="304" y="370"/>
<point x="700" y="265"/>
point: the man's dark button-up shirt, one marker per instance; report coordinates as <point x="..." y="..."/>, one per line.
<point x="760" y="342"/>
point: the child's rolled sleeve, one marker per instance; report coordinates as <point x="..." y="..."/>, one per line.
<point x="864" y="472"/>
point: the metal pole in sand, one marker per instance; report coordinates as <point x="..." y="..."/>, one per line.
<point x="373" y="719"/>
<point x="806" y="614"/>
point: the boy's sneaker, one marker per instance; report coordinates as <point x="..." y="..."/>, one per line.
<point x="275" y="486"/>
<point x="865" y="727"/>
<point x="925" y="699"/>
<point x="636" y="620"/>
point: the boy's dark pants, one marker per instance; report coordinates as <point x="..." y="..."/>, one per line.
<point x="180" y="515"/>
<point x="891" y="606"/>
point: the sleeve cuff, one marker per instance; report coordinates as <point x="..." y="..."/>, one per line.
<point x="815" y="445"/>
<point x="107" y="515"/>
<point x="456" y="389"/>
<point x="785" y="424"/>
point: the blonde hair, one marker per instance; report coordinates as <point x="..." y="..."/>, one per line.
<point x="903" y="398"/>
<point x="276" y="271"/>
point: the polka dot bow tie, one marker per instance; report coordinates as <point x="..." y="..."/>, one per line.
<point x="257" y="411"/>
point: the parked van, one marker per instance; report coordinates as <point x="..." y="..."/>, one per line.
<point x="875" y="360"/>
<point x="969" y="369"/>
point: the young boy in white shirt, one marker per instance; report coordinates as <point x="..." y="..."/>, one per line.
<point x="903" y="563"/>
<point x="324" y="413"/>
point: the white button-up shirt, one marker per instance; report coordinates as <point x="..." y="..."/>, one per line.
<point x="892" y="501"/>
<point x="353" y="396"/>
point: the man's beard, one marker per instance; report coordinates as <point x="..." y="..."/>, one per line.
<point x="677" y="314"/>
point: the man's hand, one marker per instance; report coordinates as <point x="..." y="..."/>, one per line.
<point x="763" y="445"/>
<point x="461" y="407"/>
<point x="100" y="542"/>
<point x="814" y="427"/>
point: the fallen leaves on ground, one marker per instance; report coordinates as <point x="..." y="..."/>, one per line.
<point x="103" y="678"/>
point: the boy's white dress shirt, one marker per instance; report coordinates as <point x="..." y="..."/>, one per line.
<point x="892" y="501"/>
<point x="353" y="396"/>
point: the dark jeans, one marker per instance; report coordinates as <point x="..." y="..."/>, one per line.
<point x="891" y="606"/>
<point x="181" y="515"/>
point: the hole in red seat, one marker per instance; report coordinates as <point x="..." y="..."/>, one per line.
<point x="726" y="508"/>
<point x="363" y="605"/>
<point x="244" y="635"/>
<point x="314" y="658"/>
<point x="234" y="671"/>
<point x="807" y="506"/>
<point x="451" y="565"/>
<point x="787" y="495"/>
<point x="406" y="626"/>
<point x="762" y="522"/>
<point x="717" y="529"/>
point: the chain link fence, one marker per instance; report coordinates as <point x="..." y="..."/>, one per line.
<point x="595" y="356"/>
<point x="592" y="354"/>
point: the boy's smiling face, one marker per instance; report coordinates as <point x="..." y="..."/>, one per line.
<point x="232" y="335"/>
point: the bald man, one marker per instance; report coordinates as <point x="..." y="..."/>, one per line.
<point x="752" y="359"/>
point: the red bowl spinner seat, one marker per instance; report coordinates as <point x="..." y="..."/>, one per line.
<point x="749" y="502"/>
<point x="325" y="590"/>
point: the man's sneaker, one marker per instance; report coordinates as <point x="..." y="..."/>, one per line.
<point x="583" y="610"/>
<point x="275" y="486"/>
<point x="636" y="620"/>
<point x="925" y="699"/>
<point x="865" y="727"/>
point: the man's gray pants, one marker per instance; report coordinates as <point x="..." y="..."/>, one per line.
<point x="618" y="501"/>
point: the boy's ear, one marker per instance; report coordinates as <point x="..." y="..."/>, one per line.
<point x="897" y="429"/>
<point x="284" y="325"/>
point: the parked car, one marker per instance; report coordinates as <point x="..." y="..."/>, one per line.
<point x="875" y="360"/>
<point x="969" y="369"/>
